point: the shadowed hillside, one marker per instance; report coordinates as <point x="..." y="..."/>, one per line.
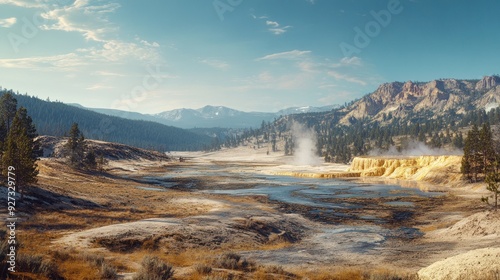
<point x="55" y="118"/>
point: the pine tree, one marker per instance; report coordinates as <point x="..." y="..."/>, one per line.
<point x="90" y="160"/>
<point x="75" y="147"/>
<point x="458" y="141"/>
<point x="31" y="131"/>
<point x="18" y="152"/>
<point x="473" y="144"/>
<point x="3" y="136"/>
<point x="493" y="181"/>
<point x="486" y="152"/>
<point x="480" y="156"/>
<point x="101" y="162"/>
<point x="8" y="108"/>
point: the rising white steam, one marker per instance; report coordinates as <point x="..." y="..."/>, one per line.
<point x="414" y="148"/>
<point x="304" y="145"/>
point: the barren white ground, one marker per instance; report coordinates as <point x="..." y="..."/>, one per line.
<point x="328" y="243"/>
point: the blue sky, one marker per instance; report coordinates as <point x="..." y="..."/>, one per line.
<point x="252" y="55"/>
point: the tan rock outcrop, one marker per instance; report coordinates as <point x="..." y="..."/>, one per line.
<point x="488" y="82"/>
<point x="432" y="169"/>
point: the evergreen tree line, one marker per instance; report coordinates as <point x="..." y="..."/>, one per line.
<point x="56" y="119"/>
<point x="481" y="160"/>
<point x="480" y="157"/>
<point x="17" y="146"/>
<point x="340" y="143"/>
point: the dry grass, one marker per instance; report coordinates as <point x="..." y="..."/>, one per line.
<point x="233" y="261"/>
<point x="153" y="268"/>
<point x="118" y="201"/>
<point x="272" y="272"/>
<point x="202" y="269"/>
<point x="353" y="273"/>
<point x="275" y="246"/>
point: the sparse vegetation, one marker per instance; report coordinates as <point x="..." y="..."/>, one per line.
<point x="93" y="259"/>
<point x="358" y="274"/>
<point x="108" y="271"/>
<point x="154" y="268"/>
<point x="36" y="264"/>
<point x="220" y="276"/>
<point x="202" y="269"/>
<point x="233" y="261"/>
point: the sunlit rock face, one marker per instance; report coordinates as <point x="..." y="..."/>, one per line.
<point x="435" y="169"/>
<point x="437" y="97"/>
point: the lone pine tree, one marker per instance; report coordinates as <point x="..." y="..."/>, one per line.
<point x="75" y="147"/>
<point x="77" y="154"/>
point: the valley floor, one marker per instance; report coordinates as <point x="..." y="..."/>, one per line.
<point x="84" y="222"/>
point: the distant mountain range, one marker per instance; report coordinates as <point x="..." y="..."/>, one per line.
<point x="394" y="108"/>
<point x="56" y="118"/>
<point x="210" y="116"/>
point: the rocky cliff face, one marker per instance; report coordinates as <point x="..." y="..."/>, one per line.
<point x="488" y="82"/>
<point x="433" y="169"/>
<point x="438" y="96"/>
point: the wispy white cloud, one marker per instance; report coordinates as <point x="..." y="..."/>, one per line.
<point x="337" y="97"/>
<point x="346" y="77"/>
<point x="272" y="26"/>
<point x="350" y="61"/>
<point x="327" y="86"/>
<point x="150" y="44"/>
<point x="308" y="66"/>
<point x="279" y="30"/>
<point x="61" y="62"/>
<point x="90" y="19"/>
<point x="322" y="71"/>
<point x="99" y="87"/>
<point x="266" y="80"/>
<point x="275" y="27"/>
<point x="82" y="17"/>
<point x="215" y="63"/>
<point x="8" y="22"/>
<point x="272" y="23"/>
<point x="295" y="54"/>
<point x="121" y="52"/>
<point x="23" y="3"/>
<point x="114" y="51"/>
<point x="107" y="74"/>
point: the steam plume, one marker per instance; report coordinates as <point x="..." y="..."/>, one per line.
<point x="414" y="148"/>
<point x="304" y="145"/>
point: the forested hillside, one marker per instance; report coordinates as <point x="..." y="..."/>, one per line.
<point x="56" y="118"/>
<point x="436" y="114"/>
